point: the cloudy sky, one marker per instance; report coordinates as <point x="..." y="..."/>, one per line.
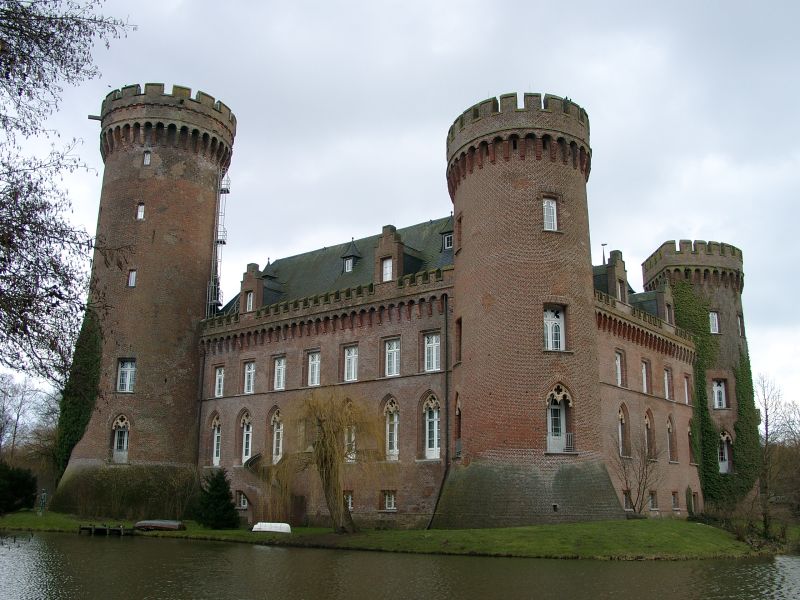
<point x="343" y="108"/>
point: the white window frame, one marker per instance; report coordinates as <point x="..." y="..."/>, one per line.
<point x="140" y="211"/>
<point x="389" y="500"/>
<point x="740" y="325"/>
<point x="351" y="363"/>
<point x="249" y="377"/>
<point x="119" y="447"/>
<point x="432" y="352"/>
<point x="348" y="499"/>
<point x="350" y="452"/>
<point x="348" y="264"/>
<point x="618" y="361"/>
<point x="131" y="278"/>
<point x="126" y="375"/>
<point x="713" y="321"/>
<point x="645" y="382"/>
<point x="687" y="396"/>
<point x="447" y="242"/>
<point x="432" y="429"/>
<point x="392" y="430"/>
<point x="392" y="357"/>
<point x="146" y="158"/>
<point x="668" y="384"/>
<point x="554" y="331"/>
<point x="248" y="301"/>
<point x="219" y="382"/>
<point x="241" y="501"/>
<point x="121" y="439"/>
<point x="279" y="379"/>
<point x="313" y="368"/>
<point x="216" y="442"/>
<point x="386" y="269"/>
<point x="247" y="438"/>
<point x="277" y="438"/>
<point x="719" y="393"/>
<point x="550" y="214"/>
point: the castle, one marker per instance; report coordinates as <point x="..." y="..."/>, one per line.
<point x="514" y="381"/>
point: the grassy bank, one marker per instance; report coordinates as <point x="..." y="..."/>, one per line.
<point x="622" y="540"/>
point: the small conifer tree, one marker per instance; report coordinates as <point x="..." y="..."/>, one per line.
<point x="217" y="510"/>
<point x="17" y="488"/>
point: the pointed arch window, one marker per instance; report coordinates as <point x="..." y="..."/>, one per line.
<point x="623" y="431"/>
<point x="247" y="436"/>
<point x="392" y="425"/>
<point x="277" y="437"/>
<point x="649" y="436"/>
<point x="121" y="429"/>
<point x="216" y="441"/>
<point x="430" y="410"/>
<point x="725" y="453"/>
<point x="559" y="403"/>
<point x="550" y="214"/>
<point x="672" y="443"/>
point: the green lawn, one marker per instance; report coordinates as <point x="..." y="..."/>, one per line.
<point x="624" y="540"/>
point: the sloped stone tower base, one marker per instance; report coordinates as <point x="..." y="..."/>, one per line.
<point x="488" y="494"/>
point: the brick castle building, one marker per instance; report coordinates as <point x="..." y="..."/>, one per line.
<point x="510" y="377"/>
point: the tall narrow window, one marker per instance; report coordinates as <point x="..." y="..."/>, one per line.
<point x="392" y="421"/>
<point x="670" y="314"/>
<point x="623" y="433"/>
<point x="622" y="290"/>
<point x="140" y="211"/>
<point x="280" y="373"/>
<point x="619" y="368"/>
<point x="313" y="368"/>
<point x="550" y="214"/>
<point x="718" y="391"/>
<point x="132" y="278"/>
<point x="277" y="437"/>
<point x="645" y="377"/>
<point x="350" y="444"/>
<point x="216" y="441"/>
<point x="672" y="443"/>
<point x="554" y="329"/>
<point x="386" y="269"/>
<point x="687" y="390"/>
<point x="248" y="301"/>
<point x="649" y="436"/>
<point x="126" y="375"/>
<point x="740" y="325"/>
<point x="691" y="444"/>
<point x="121" y="428"/>
<point x="247" y="436"/>
<point x="432" y="344"/>
<point x="431" y="412"/>
<point x="249" y="377"/>
<point x="725" y="453"/>
<point x="146" y="158"/>
<point x="219" y="382"/>
<point x="351" y="363"/>
<point x="668" y="384"/>
<point x="348" y="499"/>
<point x="713" y="321"/>
<point x="392" y="352"/>
<point x="348" y="264"/>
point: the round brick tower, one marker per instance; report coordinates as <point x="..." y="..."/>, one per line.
<point x="164" y="156"/>
<point x="715" y="271"/>
<point x="525" y="374"/>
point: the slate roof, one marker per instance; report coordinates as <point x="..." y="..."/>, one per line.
<point x="322" y="270"/>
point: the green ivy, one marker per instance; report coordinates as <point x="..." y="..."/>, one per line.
<point x="80" y="391"/>
<point x="721" y="491"/>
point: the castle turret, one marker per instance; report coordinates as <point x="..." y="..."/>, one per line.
<point x="714" y="270"/>
<point x="525" y="376"/>
<point x="164" y="156"/>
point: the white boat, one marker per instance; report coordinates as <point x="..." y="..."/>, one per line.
<point x="273" y="527"/>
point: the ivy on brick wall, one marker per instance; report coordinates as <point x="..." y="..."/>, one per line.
<point x="722" y="491"/>
<point x="80" y="391"/>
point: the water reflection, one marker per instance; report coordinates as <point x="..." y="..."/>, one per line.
<point x="69" y="566"/>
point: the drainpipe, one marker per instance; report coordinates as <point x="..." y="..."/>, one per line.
<point x="446" y="340"/>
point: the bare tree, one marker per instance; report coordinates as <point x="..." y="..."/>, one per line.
<point x="770" y="404"/>
<point x="43" y="280"/>
<point x="17" y="403"/>
<point x="640" y="473"/>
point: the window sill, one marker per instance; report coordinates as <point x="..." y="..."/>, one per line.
<point x="674" y="462"/>
<point x="550" y="453"/>
<point x="389" y="511"/>
<point x="428" y="460"/>
<point x="546" y="351"/>
<point x="553" y="231"/>
<point x="722" y="408"/>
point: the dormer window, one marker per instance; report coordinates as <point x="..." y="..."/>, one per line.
<point x="447" y="241"/>
<point x="348" y="264"/>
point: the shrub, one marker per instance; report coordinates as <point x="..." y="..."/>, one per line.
<point x="17" y="488"/>
<point x="216" y="509"/>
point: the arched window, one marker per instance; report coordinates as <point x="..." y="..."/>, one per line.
<point x="725" y="453"/>
<point x="216" y="441"/>
<point x="430" y="411"/>
<point x="558" y="404"/>
<point x="691" y="444"/>
<point x="247" y="436"/>
<point x="554" y="328"/>
<point x="649" y="436"/>
<point x="550" y="214"/>
<point x="392" y="422"/>
<point x="121" y="429"/>
<point x="623" y="431"/>
<point x="672" y="444"/>
<point x="277" y="437"/>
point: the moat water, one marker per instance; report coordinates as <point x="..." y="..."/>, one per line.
<point x="44" y="566"/>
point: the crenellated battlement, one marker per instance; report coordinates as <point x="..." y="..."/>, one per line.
<point x="545" y="128"/>
<point x="201" y="124"/>
<point x="698" y="261"/>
